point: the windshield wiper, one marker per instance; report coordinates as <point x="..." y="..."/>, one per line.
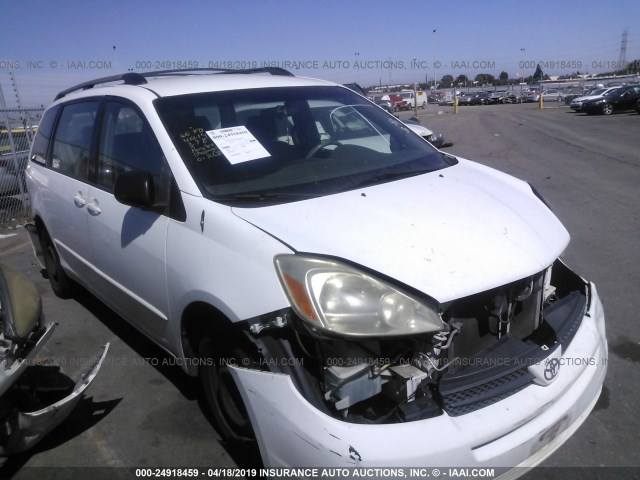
<point x="265" y="196"/>
<point x="391" y="176"/>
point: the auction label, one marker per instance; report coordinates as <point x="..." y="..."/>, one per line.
<point x="238" y="144"/>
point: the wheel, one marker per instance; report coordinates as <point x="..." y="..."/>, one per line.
<point x="424" y="105"/>
<point x="559" y="98"/>
<point x="607" y="109"/>
<point x="221" y="392"/>
<point x="61" y="284"/>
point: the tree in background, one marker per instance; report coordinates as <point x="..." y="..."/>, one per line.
<point x="485" y="78"/>
<point x="538" y="75"/>
<point x="462" y="80"/>
<point x="504" y="78"/>
<point x="446" y="81"/>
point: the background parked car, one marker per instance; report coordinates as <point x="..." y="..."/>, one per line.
<point x="574" y="93"/>
<point x="383" y="101"/>
<point x="518" y="97"/>
<point x="465" y="98"/>
<point x="412" y="99"/>
<point x="437" y="96"/>
<point x="621" y="99"/>
<point x="398" y="102"/>
<point x="480" y="98"/>
<point x="576" y="103"/>
<point x="496" y="97"/>
<point x="435" y="139"/>
<point x="551" y="95"/>
<point x="511" y="97"/>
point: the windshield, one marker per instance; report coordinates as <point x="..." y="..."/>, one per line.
<point x="291" y="142"/>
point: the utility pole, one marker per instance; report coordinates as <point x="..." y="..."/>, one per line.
<point x="622" y="59"/>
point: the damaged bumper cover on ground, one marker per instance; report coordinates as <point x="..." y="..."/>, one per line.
<point x="23" y="430"/>
<point x="521" y="429"/>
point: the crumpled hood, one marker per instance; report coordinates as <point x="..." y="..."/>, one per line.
<point x="450" y="233"/>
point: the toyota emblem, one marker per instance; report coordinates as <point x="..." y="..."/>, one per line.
<point x="552" y="368"/>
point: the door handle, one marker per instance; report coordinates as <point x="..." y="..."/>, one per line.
<point x="93" y="208"/>
<point x="79" y="200"/>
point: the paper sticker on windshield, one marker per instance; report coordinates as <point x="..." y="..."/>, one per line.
<point x="237" y="144"/>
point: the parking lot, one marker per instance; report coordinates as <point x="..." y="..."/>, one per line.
<point x="142" y="411"/>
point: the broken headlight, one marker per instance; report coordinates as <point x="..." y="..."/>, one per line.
<point x="335" y="297"/>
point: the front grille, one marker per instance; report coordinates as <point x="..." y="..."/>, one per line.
<point x="466" y="400"/>
<point x="501" y="369"/>
<point x="565" y="316"/>
<point x="484" y="370"/>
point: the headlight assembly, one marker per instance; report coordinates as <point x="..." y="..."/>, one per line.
<point x="335" y="297"/>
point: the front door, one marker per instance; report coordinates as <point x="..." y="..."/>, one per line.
<point x="129" y="243"/>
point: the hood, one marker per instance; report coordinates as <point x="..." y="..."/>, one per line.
<point x="449" y="233"/>
<point x="584" y="99"/>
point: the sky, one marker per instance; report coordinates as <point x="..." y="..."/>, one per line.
<point x="51" y="45"/>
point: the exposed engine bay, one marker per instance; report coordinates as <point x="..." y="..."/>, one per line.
<point x="482" y="354"/>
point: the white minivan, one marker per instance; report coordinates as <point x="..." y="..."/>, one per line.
<point x="348" y="294"/>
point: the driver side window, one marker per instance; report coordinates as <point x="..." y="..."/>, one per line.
<point x="127" y="143"/>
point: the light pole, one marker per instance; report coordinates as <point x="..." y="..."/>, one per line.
<point x="357" y="54"/>
<point x="522" y="67"/>
<point x="434" y="59"/>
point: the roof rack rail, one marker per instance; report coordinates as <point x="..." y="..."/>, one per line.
<point x="134" y="78"/>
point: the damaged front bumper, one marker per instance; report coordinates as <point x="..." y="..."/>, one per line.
<point x="519" y="430"/>
<point x="22" y="430"/>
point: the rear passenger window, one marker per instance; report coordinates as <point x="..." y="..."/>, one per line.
<point x="72" y="141"/>
<point x="128" y="143"/>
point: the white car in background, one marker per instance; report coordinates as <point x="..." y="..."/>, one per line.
<point x="435" y="139"/>
<point x="349" y="295"/>
<point x="551" y="95"/>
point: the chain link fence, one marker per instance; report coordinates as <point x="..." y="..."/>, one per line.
<point x="17" y="129"/>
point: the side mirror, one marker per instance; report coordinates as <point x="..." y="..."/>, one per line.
<point x="135" y="188"/>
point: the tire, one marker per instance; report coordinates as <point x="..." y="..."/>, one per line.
<point x="223" y="397"/>
<point x="559" y="98"/>
<point x="607" y="109"/>
<point x="61" y="284"/>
